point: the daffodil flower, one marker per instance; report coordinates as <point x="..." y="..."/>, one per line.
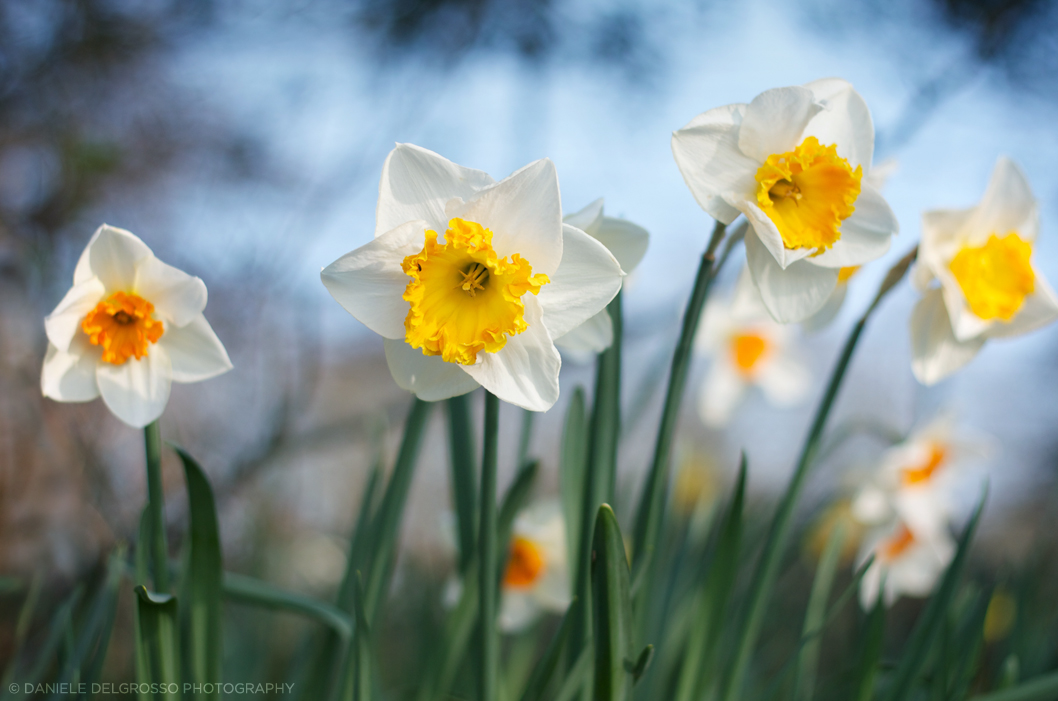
<point x="628" y="243"/>
<point x="796" y="162"/>
<point x="906" y="562"/>
<point x="748" y="349"/>
<point x="484" y="306"/>
<point x="977" y="278"/>
<point x="129" y="327"/>
<point x="536" y="576"/>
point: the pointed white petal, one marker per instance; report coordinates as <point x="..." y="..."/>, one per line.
<point x="829" y="310"/>
<point x="70" y="376"/>
<point x="137" y="390"/>
<point x="177" y="297"/>
<point x="921" y="275"/>
<point x="715" y="170"/>
<point x="524" y="212"/>
<point x="944" y="232"/>
<point x="64" y="323"/>
<point x="964" y="323"/>
<point x="428" y="377"/>
<point x="417" y="184"/>
<point x="1008" y="205"/>
<point x="369" y="282"/>
<point x="775" y="121"/>
<point x="791" y="295"/>
<point x="935" y="352"/>
<point x="587" y="278"/>
<point x="517" y="610"/>
<point x="593" y="336"/>
<point x="525" y="371"/>
<point x="111" y="256"/>
<point x="844" y="121"/>
<point x="588" y="219"/>
<point x="195" y="352"/>
<point x="627" y="241"/>
<point x="720" y="394"/>
<point x="865" y="236"/>
<point x="1039" y="309"/>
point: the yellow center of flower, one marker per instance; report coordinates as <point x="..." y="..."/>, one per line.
<point x="747" y="350"/>
<point x="846" y="273"/>
<point x="897" y="545"/>
<point x="464" y="298"/>
<point x="124" y="326"/>
<point x="917" y="474"/>
<point x="996" y="277"/>
<point x="525" y="565"/>
<point x="807" y="193"/>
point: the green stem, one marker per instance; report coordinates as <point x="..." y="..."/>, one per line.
<point x="464" y="481"/>
<point x="648" y="513"/>
<point x="487" y="536"/>
<point x="778" y="534"/>
<point x="156" y="502"/>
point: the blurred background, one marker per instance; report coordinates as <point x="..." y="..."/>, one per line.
<point x="243" y="142"/>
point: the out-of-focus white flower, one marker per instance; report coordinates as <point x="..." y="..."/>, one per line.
<point x="483" y="307"/>
<point x="129" y="327"/>
<point x="628" y="243"/>
<point x="906" y="562"/>
<point x="536" y="577"/>
<point x="747" y="348"/>
<point x="988" y="286"/>
<point x="796" y="162"/>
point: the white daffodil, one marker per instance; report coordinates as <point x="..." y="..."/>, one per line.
<point x="906" y="562"/>
<point x="628" y="243"/>
<point x="919" y="478"/>
<point x="796" y="162"/>
<point x="988" y="286"/>
<point x="536" y="577"/>
<point x="129" y="327"/>
<point x="748" y="348"/>
<point x="484" y="306"/>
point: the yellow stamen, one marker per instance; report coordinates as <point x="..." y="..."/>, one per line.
<point x="807" y="193"/>
<point x="464" y="298"/>
<point x="924" y="472"/>
<point x="525" y="565"/>
<point x="124" y="326"/>
<point x="846" y="273"/>
<point x="747" y="349"/>
<point x="996" y="277"/>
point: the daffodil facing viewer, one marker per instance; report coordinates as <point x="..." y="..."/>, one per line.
<point x="129" y="327"/>
<point x="977" y="278"/>
<point x="796" y="162"/>
<point x="469" y="280"/>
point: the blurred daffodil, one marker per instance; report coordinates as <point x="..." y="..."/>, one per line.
<point x="977" y="277"/>
<point x="628" y="243"/>
<point x="796" y="162"/>
<point x="536" y="576"/>
<point x="747" y="349"/>
<point x="483" y="306"/>
<point x="906" y="562"/>
<point x="129" y="327"/>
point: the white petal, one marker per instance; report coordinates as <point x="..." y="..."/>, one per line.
<point x="871" y="506"/>
<point x="64" y="323"/>
<point x="524" y="212"/>
<point x="417" y="184"/>
<point x="70" y="376"/>
<point x="791" y="295"/>
<point x="944" y="231"/>
<point x="369" y="282"/>
<point x="746" y="304"/>
<point x="775" y="121"/>
<point x="768" y="234"/>
<point x="935" y="352"/>
<point x="177" y="297"/>
<point x="784" y="381"/>
<point x="1039" y="309"/>
<point x="829" y="310"/>
<point x="707" y="153"/>
<point x="195" y="352"/>
<point x="1008" y="204"/>
<point x="588" y="219"/>
<point x="517" y="610"/>
<point x="525" y="371"/>
<point x="964" y="323"/>
<point x="593" y="336"/>
<point x="586" y="280"/>
<point x="844" y="121"/>
<point x="923" y="510"/>
<point x="921" y="275"/>
<point x="111" y="256"/>
<point x="137" y="390"/>
<point x="720" y="394"/>
<point x="625" y="240"/>
<point x="428" y="377"/>
<point x="865" y="236"/>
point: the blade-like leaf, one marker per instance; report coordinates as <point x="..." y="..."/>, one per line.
<point x="464" y="479"/>
<point x="1043" y="688"/>
<point x="159" y="643"/>
<point x="254" y="592"/>
<point x="817" y="607"/>
<point x="545" y="668"/>
<point x="573" y="462"/>
<point x="612" y="615"/>
<point x="870" y="652"/>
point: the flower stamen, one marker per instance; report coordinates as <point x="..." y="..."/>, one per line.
<point x="997" y="277"/>
<point x="124" y="325"/>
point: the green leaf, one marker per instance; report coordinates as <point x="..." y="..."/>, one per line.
<point x="817" y="606"/>
<point x="579" y="675"/>
<point x="1043" y="688"/>
<point x="488" y="640"/>
<point x="362" y="650"/>
<point x="932" y="618"/>
<point x="254" y="592"/>
<point x="606" y="412"/>
<point x="158" y="642"/>
<point x="642" y="663"/>
<point x="205" y="577"/>
<point x="526" y="437"/>
<point x="573" y="462"/>
<point x="156" y="506"/>
<point x="464" y="478"/>
<point x="612" y="614"/>
<point x="545" y="668"/>
<point x="871" y="651"/>
<point x="514" y="500"/>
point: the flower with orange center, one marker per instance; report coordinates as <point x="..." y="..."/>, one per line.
<point x="536" y="577"/>
<point x="977" y="278"/>
<point x="128" y="328"/>
<point x="796" y="162"/>
<point x="906" y="563"/>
